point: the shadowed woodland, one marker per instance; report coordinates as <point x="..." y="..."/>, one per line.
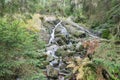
<point x="59" y="39"/>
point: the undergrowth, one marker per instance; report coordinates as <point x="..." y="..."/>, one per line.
<point x="18" y="56"/>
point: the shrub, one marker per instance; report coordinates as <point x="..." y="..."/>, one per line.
<point x="18" y="56"/>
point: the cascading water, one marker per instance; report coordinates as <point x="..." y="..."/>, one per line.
<point x="54" y="61"/>
<point x="61" y="45"/>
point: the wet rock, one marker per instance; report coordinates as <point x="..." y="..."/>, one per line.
<point x="61" y="39"/>
<point x="58" y="30"/>
<point x="49" y="58"/>
<point x="51" y="50"/>
<point x="52" y="47"/>
<point x="54" y="63"/>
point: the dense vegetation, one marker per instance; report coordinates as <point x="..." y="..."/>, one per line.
<point x="19" y="43"/>
<point x="18" y="56"/>
<point x="82" y="11"/>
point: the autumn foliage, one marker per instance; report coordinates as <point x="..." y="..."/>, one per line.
<point x="78" y="64"/>
<point x="91" y="46"/>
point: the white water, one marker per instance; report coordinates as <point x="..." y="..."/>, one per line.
<point x="52" y="36"/>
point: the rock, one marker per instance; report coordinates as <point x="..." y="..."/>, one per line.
<point x="52" y="47"/>
<point x="49" y="18"/>
<point x="79" y="46"/>
<point x="62" y="65"/>
<point x="51" y="50"/>
<point x="64" y="53"/>
<point x="54" y="63"/>
<point x="58" y="30"/>
<point x="75" y="32"/>
<point x="79" y="34"/>
<point x="61" y="39"/>
<point x="49" y="58"/>
<point x="61" y="77"/>
<point x="51" y="72"/>
<point x="61" y="52"/>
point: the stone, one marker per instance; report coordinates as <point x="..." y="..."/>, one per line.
<point x="64" y="53"/>
<point x="79" y="46"/>
<point x="75" y="32"/>
<point x="52" y="72"/>
<point x="61" y="41"/>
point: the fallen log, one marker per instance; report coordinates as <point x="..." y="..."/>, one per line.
<point x="65" y="21"/>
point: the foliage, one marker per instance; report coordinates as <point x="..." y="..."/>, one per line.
<point x="81" y="66"/>
<point x="104" y="62"/>
<point x="18" y="56"/>
<point x="78" y="66"/>
<point x="107" y="55"/>
<point x="103" y="14"/>
<point x="19" y="37"/>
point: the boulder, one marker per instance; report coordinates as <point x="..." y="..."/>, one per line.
<point x="75" y="32"/>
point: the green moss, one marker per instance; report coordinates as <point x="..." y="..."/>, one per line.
<point x="105" y="34"/>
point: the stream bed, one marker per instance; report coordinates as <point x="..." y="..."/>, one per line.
<point x="65" y="42"/>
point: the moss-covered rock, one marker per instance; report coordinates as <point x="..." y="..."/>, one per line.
<point x="52" y="72"/>
<point x="79" y="47"/>
<point x="61" y="39"/>
<point x="79" y="34"/>
<point x="64" y="53"/>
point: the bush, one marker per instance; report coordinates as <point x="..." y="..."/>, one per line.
<point x="18" y="56"/>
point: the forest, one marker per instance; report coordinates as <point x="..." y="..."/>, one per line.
<point x="59" y="39"/>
